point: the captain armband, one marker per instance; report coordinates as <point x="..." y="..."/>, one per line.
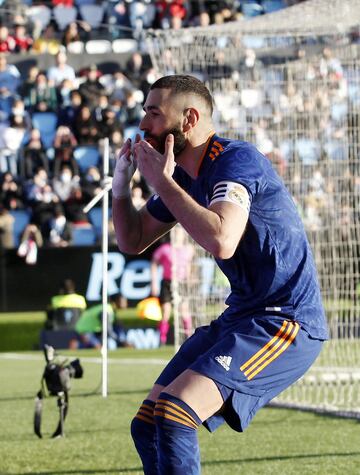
<point x="233" y="193"/>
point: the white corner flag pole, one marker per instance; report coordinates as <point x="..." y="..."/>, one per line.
<point x="104" y="195"/>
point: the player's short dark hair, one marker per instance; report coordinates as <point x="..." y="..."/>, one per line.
<point x="185" y="84"/>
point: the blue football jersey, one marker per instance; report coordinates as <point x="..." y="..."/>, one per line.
<point x="273" y="268"/>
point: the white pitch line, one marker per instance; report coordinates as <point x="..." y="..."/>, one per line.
<point x="87" y="359"/>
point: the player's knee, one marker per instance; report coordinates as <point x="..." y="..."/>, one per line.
<point x="143" y="422"/>
<point x="172" y="412"/>
<point x="135" y="429"/>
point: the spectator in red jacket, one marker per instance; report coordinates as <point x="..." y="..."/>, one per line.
<point x="23" y="42"/>
<point x="169" y="9"/>
<point x="64" y="3"/>
<point x="7" y="41"/>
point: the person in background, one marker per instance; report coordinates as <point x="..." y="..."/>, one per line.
<point x="29" y="82"/>
<point x="11" y="192"/>
<point x="91" y="184"/>
<point x="137" y="196"/>
<point x="173" y="259"/>
<point x="89" y="326"/>
<point x="66" y="305"/>
<point x="91" y="89"/>
<point x="47" y="42"/>
<point x="42" y="199"/>
<point x="135" y="69"/>
<point x="68" y="112"/>
<point x="61" y="70"/>
<point x="68" y="189"/>
<point x="85" y="127"/>
<point x="23" y="42"/>
<point x="6" y="228"/>
<point x="76" y="31"/>
<point x="11" y="139"/>
<point x="7" y="41"/>
<point x="42" y="95"/>
<point x="64" y="145"/>
<point x="31" y="240"/>
<point x="33" y="156"/>
<point x="59" y="231"/>
<point x="10" y="78"/>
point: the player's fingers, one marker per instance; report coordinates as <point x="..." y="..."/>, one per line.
<point x="125" y="150"/>
<point x="125" y="147"/>
<point x="137" y="138"/>
<point x="145" y="145"/>
<point x="169" y="145"/>
<point x="138" y="150"/>
<point x="135" y="150"/>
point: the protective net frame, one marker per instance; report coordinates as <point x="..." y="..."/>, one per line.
<point x="300" y="104"/>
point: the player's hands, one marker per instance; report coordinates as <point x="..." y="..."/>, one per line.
<point x="124" y="170"/>
<point x="155" y="167"/>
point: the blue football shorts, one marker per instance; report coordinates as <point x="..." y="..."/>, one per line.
<point x="251" y="359"/>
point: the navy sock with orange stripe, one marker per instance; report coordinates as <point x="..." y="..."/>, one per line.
<point x="176" y="426"/>
<point x="143" y="432"/>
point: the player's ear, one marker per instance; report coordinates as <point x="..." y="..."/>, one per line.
<point x="191" y="118"/>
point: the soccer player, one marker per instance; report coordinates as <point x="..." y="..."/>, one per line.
<point x="228" y="197"/>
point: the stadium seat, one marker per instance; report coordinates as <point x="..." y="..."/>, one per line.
<point x="251" y="9"/>
<point x="270" y="6"/>
<point x="98" y="46"/>
<point x="21" y="220"/>
<point x="78" y="3"/>
<point x="124" y="45"/>
<point x="46" y="122"/>
<point x="83" y="236"/>
<point x="64" y="15"/>
<point x="39" y="14"/>
<point x="92" y="14"/>
<point x="75" y="47"/>
<point x="95" y="218"/>
<point x="86" y="156"/>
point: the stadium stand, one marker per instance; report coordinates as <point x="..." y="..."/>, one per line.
<point x="95" y="217"/>
<point x="86" y="156"/>
<point x="64" y="16"/>
<point x="46" y="123"/>
<point x="21" y="220"/>
<point x="111" y="36"/>
<point x="83" y="236"/>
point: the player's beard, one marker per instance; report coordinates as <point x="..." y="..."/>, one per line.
<point x="158" y="142"/>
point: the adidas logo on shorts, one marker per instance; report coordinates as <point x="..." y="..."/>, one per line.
<point x="225" y="361"/>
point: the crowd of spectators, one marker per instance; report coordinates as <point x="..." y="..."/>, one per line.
<point x="304" y="115"/>
<point x="43" y="25"/>
<point x="42" y="175"/>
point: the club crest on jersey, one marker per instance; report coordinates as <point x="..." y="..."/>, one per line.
<point x="232" y="192"/>
<point x="239" y="195"/>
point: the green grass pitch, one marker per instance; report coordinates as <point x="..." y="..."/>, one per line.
<point x="98" y="442"/>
